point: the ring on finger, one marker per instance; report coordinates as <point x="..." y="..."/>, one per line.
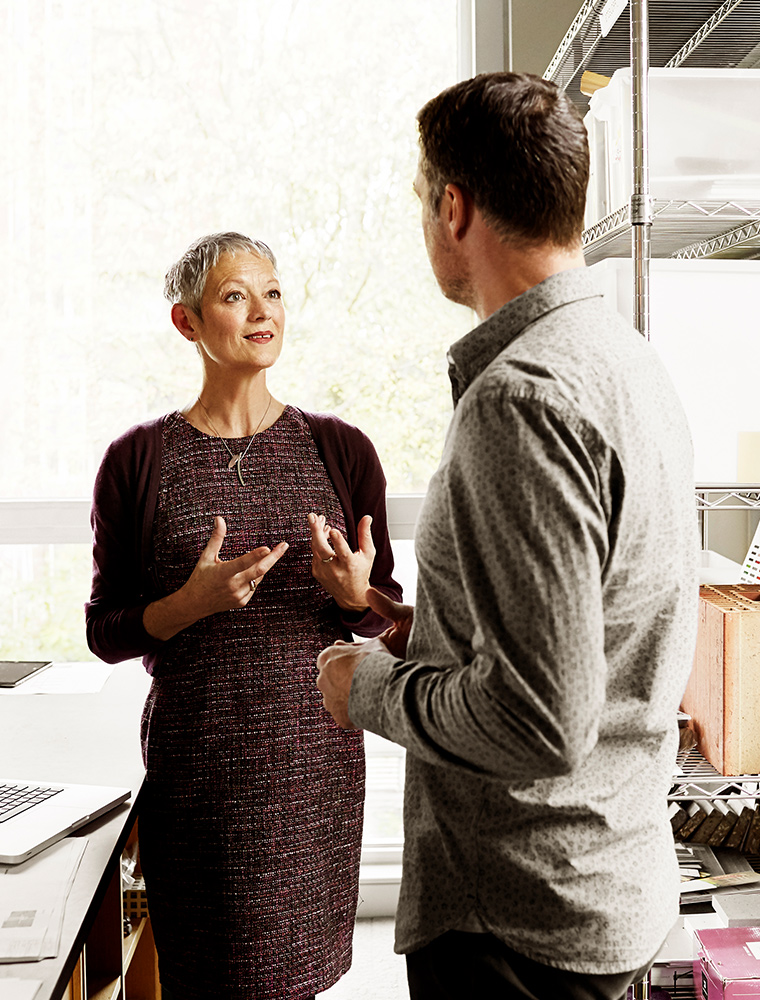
<point x="329" y="559"/>
<point x="253" y="585"/>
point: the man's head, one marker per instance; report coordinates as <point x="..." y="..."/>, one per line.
<point x="516" y="145"/>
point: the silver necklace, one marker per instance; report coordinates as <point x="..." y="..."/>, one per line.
<point x="235" y="459"/>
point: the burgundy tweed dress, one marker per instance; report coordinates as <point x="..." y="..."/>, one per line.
<point x="250" y="827"/>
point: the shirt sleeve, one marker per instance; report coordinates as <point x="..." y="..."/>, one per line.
<point x="507" y="668"/>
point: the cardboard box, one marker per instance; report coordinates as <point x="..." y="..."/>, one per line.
<point x="728" y="967"/>
<point x="723" y="693"/>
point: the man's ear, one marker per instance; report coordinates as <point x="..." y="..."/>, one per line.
<point x="185" y="320"/>
<point x="456" y="211"/>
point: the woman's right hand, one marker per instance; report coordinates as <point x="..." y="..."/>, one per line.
<point x="213" y="586"/>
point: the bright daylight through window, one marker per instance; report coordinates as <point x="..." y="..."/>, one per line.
<point x="131" y="127"/>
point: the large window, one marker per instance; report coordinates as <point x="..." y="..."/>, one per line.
<point x="131" y="127"/>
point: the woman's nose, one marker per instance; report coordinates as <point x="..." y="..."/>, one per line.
<point x="260" y="308"/>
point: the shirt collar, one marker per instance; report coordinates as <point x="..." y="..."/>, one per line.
<point x="470" y="355"/>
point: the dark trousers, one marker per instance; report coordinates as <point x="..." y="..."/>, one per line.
<point x="460" y="966"/>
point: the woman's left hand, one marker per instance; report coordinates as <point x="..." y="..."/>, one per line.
<point x="343" y="573"/>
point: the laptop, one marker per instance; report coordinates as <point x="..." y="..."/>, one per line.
<point x="15" y="672"/>
<point x="34" y="814"/>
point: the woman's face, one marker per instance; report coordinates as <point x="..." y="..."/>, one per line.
<point x="243" y="318"/>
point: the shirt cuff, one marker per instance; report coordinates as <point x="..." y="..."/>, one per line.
<point x="368" y="687"/>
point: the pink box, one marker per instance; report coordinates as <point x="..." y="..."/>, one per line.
<point x="728" y="963"/>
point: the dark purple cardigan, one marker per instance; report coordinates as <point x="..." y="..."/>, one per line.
<point x="124" y="576"/>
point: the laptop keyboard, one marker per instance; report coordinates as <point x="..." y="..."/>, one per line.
<point x="15" y="799"/>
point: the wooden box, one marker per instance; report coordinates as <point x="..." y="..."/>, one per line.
<point x="723" y="693"/>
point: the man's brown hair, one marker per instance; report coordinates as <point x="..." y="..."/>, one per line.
<point x="516" y="144"/>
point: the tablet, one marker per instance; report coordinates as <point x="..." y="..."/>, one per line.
<point x="14" y="672"/>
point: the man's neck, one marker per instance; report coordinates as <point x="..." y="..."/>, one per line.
<point x="499" y="272"/>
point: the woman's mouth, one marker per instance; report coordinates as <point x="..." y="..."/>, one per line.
<point x="260" y="338"/>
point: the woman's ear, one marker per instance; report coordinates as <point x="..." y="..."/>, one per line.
<point x="185" y="320"/>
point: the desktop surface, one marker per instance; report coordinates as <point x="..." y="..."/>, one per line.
<point x="88" y="739"/>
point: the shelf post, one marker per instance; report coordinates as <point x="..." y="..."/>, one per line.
<point x="641" y="990"/>
<point x="641" y="202"/>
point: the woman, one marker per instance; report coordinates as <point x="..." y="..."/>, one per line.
<point x="232" y="542"/>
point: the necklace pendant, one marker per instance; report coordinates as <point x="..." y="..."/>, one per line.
<point x="235" y="463"/>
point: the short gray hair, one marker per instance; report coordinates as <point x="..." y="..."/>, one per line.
<point x="186" y="280"/>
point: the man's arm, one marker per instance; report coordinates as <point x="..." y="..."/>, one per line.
<point x="513" y="678"/>
<point x="337" y="664"/>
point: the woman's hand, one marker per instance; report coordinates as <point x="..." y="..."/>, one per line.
<point x="344" y="574"/>
<point x="213" y="586"/>
<point x="402" y="615"/>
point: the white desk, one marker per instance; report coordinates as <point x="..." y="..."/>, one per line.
<point x="93" y="739"/>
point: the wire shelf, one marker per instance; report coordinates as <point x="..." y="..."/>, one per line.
<point x="737" y="244"/>
<point x="675" y="225"/>
<point x="721" y="34"/>
<point x="733" y="496"/>
<point x="706" y="783"/>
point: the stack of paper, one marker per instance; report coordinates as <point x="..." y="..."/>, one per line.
<point x="33" y="899"/>
<point x="20" y="989"/>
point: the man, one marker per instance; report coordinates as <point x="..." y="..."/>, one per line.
<point x="556" y="606"/>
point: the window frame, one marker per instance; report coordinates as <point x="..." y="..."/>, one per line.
<point x="66" y="520"/>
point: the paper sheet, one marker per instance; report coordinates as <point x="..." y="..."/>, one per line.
<point x="19" y="989"/>
<point x="33" y="898"/>
<point x="66" y="678"/>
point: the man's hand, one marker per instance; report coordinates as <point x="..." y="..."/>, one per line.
<point x="337" y="666"/>
<point x="396" y="637"/>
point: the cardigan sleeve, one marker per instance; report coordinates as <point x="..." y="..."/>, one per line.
<point x="120" y="588"/>
<point x="357" y="475"/>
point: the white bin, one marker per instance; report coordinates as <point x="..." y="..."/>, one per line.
<point x="704" y="137"/>
<point x="704" y="326"/>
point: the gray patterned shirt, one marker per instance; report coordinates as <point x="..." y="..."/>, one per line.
<point x="553" y="635"/>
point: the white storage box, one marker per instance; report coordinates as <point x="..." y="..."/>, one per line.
<point x="717" y="569"/>
<point x="704" y="137"/>
<point x="704" y="326"/>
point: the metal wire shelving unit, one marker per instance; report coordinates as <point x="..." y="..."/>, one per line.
<point x="711" y="497"/>
<point x="680" y="33"/>
<point x="704" y="782"/>
<point x="667" y="33"/>
<point x="721" y="34"/>
<point x="682" y="229"/>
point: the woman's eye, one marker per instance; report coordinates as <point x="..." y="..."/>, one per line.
<point x="275" y="293"/>
<point x="235" y="297"/>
